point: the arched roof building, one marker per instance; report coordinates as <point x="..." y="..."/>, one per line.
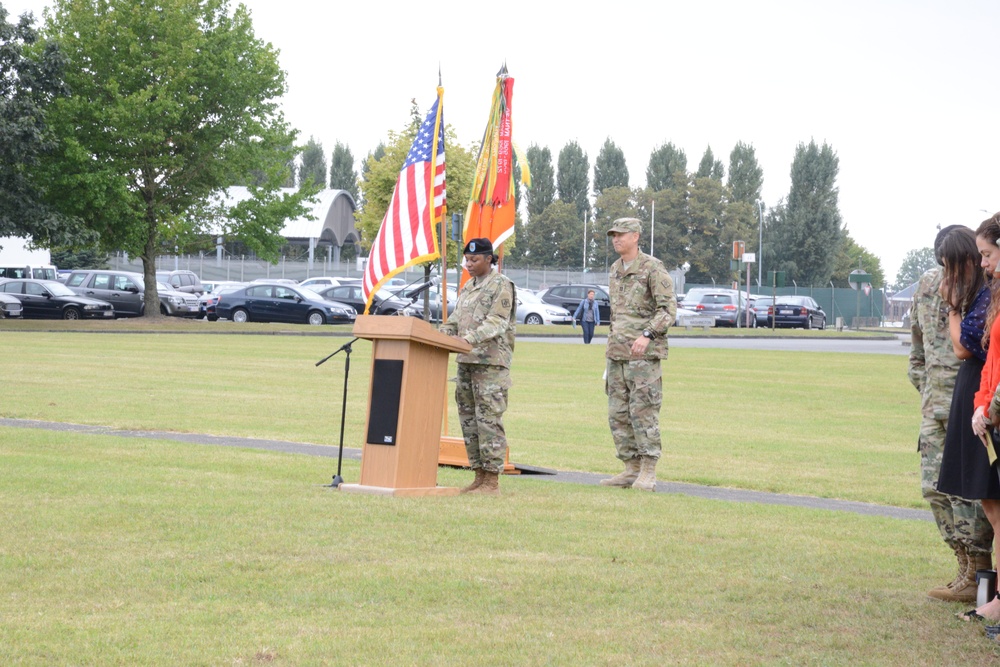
<point x="332" y="225"/>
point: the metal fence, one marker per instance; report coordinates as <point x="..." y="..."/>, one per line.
<point x="835" y="301"/>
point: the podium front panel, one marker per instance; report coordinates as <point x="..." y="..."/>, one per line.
<point x="383" y="411"/>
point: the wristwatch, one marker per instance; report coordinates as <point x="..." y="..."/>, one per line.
<point x="648" y="334"/>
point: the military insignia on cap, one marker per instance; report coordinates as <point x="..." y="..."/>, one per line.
<point x="472" y="246"/>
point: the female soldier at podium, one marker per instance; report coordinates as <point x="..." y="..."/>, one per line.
<point x="485" y="316"/>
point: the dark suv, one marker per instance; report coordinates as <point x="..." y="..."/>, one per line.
<point x="569" y="297"/>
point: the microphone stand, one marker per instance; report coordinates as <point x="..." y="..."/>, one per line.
<point x="346" y="347"/>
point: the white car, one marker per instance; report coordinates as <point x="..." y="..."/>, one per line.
<point x="532" y="310"/>
<point x="321" y="282"/>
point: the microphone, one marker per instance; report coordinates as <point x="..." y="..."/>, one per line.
<point x="417" y="291"/>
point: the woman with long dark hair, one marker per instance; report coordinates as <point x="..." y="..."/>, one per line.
<point x="966" y="293"/>
<point x="986" y="417"/>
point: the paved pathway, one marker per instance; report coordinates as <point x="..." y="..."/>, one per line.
<point x="709" y="492"/>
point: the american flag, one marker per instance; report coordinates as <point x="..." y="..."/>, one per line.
<point x="407" y="234"/>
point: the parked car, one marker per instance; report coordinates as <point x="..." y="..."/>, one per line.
<point x="125" y="290"/>
<point x="319" y="282"/>
<point x="532" y="310"/>
<point x="52" y="300"/>
<point x="278" y="302"/>
<point x="176" y="304"/>
<point x="727" y="307"/>
<point x="434" y="302"/>
<point x="10" y="306"/>
<point x="796" y="311"/>
<point x="181" y="281"/>
<point x="693" y="296"/>
<point x="569" y="297"/>
<point x="384" y="302"/>
<point x="759" y="309"/>
<point x="207" y="301"/>
<point x="275" y="281"/>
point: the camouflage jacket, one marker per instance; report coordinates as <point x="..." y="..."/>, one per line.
<point x="933" y="364"/>
<point x="642" y="298"/>
<point x="486" y="316"/>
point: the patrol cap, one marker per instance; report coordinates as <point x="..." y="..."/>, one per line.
<point x="478" y="247"/>
<point x="625" y="225"/>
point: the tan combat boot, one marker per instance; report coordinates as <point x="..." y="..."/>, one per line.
<point x="966" y="589"/>
<point x="490" y="485"/>
<point x="963" y="564"/>
<point x="625" y="478"/>
<point x="647" y="475"/>
<point x="476" y="483"/>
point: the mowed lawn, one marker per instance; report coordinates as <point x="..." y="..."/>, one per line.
<point x="142" y="551"/>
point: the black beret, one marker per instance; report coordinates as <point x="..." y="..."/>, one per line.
<point x="478" y="247"/>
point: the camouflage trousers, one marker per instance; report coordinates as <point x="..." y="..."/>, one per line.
<point x="481" y="396"/>
<point x="961" y="522"/>
<point x="635" y="393"/>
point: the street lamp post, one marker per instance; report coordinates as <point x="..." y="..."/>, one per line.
<point x="760" y="243"/>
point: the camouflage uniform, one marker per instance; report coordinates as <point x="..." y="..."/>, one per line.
<point x="642" y="299"/>
<point x="932" y="370"/>
<point x="485" y="316"/>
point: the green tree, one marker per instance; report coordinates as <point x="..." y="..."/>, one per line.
<point x="172" y="102"/>
<point x="612" y="203"/>
<point x="709" y="167"/>
<point x="543" y="180"/>
<point x="30" y="79"/>
<point x="665" y="163"/>
<point x="808" y="239"/>
<point x="573" y="178"/>
<point x="556" y="238"/>
<point x="342" y="173"/>
<point x="746" y="178"/>
<point x="380" y="176"/>
<point x="313" y="167"/>
<point x="915" y="263"/>
<point x="372" y="157"/>
<point x="665" y="217"/>
<point x="852" y="257"/>
<point x="609" y="168"/>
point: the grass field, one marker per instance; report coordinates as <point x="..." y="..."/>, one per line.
<point x="138" y="551"/>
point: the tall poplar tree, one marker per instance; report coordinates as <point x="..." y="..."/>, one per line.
<point x="313" y="167"/>
<point x="573" y="178"/>
<point x="665" y="163"/>
<point x="709" y="167"/>
<point x="807" y="240"/>
<point x="746" y="178"/>
<point x="543" y="180"/>
<point x="342" y="173"/>
<point x="609" y="168"/>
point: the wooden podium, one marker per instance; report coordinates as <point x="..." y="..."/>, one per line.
<point x="405" y="402"/>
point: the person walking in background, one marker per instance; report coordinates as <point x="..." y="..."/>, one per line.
<point x="933" y="369"/>
<point x="643" y="306"/>
<point x="589" y="314"/>
<point x="485" y="316"/>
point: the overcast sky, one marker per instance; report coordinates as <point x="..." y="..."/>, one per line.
<point x="904" y="92"/>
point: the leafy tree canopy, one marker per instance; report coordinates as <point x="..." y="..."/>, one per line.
<point x="915" y="264"/>
<point x="31" y="77"/>
<point x="709" y="167"/>
<point x="342" y="173"/>
<point x="746" y="178"/>
<point x="609" y="169"/>
<point x="852" y="257"/>
<point x="313" y="167"/>
<point x="171" y="103"/>
<point x="573" y="177"/>
<point x="543" y="180"/>
<point x="666" y="164"/>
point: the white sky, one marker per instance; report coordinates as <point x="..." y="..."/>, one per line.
<point x="904" y="92"/>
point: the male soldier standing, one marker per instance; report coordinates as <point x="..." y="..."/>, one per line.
<point x="485" y="316"/>
<point x="643" y="306"/>
<point x="933" y="368"/>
